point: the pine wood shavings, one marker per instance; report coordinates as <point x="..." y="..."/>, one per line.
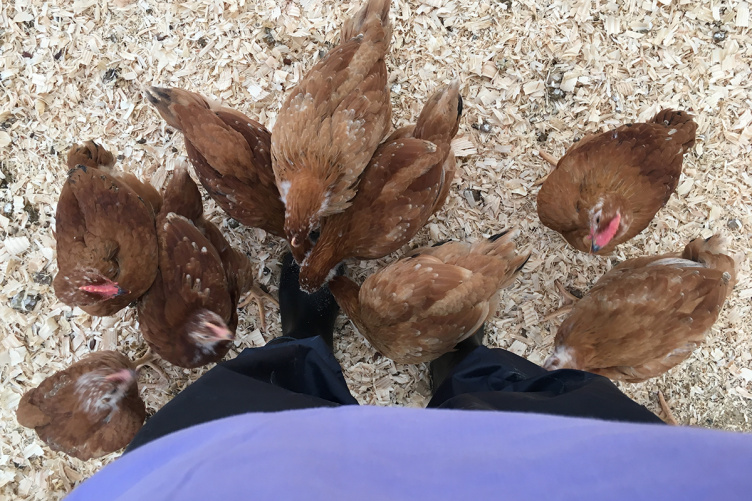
<point x="530" y="315"/>
<point x="534" y="89"/>
<point x="685" y="187"/>
<point x="518" y="348"/>
<point x="541" y="74"/>
<point x="463" y="147"/>
<point x="746" y="374"/>
<point x="255" y="338"/>
<point x="16" y="245"/>
<point x="743" y="392"/>
<point x="568" y="82"/>
<point x="742" y="15"/>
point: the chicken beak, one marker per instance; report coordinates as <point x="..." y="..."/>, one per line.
<point x="593" y="246"/>
<point x="221" y="332"/>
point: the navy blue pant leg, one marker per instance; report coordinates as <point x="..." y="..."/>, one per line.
<point x="285" y="374"/>
<point x="495" y="379"/>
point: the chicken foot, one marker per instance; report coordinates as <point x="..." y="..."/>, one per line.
<point x="669" y="416"/>
<point x="148" y="359"/>
<point x="568" y="300"/>
<point x="548" y="158"/>
<point x="256" y="294"/>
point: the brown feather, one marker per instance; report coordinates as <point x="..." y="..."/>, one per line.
<point x="69" y="412"/>
<point x="230" y="153"/>
<point x="330" y="125"/>
<point x="199" y="272"/>
<point x="191" y="279"/>
<point x="105" y="232"/>
<point x="406" y="181"/>
<point x="356" y="24"/>
<point x="632" y="171"/>
<point x="420" y="307"/>
<point x="647" y="314"/>
<point x="90" y="154"/>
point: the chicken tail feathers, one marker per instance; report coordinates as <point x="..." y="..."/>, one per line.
<point x="712" y="253"/>
<point x="522" y="264"/>
<point x="682" y="122"/>
<point x="346" y="293"/>
<point x="498" y="245"/>
<point x="92" y="155"/>
<point x="165" y="100"/>
<point x="440" y="118"/>
<point x="494" y="238"/>
<point x="89" y="154"/>
<point x="29" y="414"/>
<point x="182" y="197"/>
<point x="495" y="256"/>
<point x="356" y="24"/>
<point x="503" y="247"/>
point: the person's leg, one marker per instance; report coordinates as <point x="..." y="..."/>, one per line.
<point x="295" y="371"/>
<point x="477" y="377"/>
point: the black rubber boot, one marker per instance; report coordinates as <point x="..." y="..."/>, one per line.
<point x="445" y="364"/>
<point x="305" y="315"/>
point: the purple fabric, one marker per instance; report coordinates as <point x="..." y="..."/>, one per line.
<point x="369" y="453"/>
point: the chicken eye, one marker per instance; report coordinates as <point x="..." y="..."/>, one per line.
<point x="598" y="220"/>
<point x="314" y="235"/>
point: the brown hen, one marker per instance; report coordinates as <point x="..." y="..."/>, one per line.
<point x="231" y="156"/>
<point x="189" y="315"/>
<point x="106" y="240"/>
<point x="608" y="187"/>
<point x="647" y="314"/>
<point x="420" y="307"/>
<point x="183" y="198"/>
<point x="405" y="182"/>
<point x="88" y="410"/>
<point x="330" y="125"/>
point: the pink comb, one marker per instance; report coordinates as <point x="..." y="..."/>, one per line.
<point x="121" y="376"/>
<point x="220" y="332"/>
<point x="604" y="237"/>
<point x="108" y="289"/>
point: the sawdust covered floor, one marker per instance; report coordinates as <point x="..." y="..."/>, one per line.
<point x="534" y="75"/>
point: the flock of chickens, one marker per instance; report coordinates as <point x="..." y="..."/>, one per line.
<point x="328" y="183"/>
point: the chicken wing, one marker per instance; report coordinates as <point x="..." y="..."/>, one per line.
<point x="230" y="154"/>
<point x="420" y="307"/>
<point x="330" y="125"/>
<point x="406" y="181"/>
<point x="647" y="314"/>
<point x="88" y="410"/>
<point x="106" y="239"/>
<point x="189" y="315"/>
<point x="609" y="186"/>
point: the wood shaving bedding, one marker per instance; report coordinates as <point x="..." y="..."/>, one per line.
<point x="536" y="74"/>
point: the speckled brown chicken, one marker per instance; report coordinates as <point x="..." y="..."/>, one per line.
<point x="608" y="187"/>
<point x="106" y="239"/>
<point x="88" y="410"/>
<point x="647" y="314"/>
<point x="405" y="182"/>
<point x="189" y="315"/>
<point x="230" y="153"/>
<point x="420" y="307"/>
<point x="330" y="125"/>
